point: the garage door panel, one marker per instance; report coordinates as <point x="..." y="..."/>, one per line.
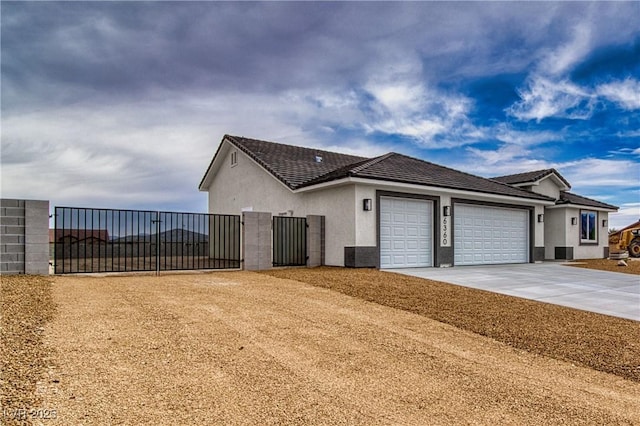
<point x="408" y="239"/>
<point x="490" y="235"/>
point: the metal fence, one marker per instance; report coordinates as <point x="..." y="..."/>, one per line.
<point x="108" y="240"/>
<point x="289" y="241"/>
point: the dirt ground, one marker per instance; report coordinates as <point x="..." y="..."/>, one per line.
<point x="633" y="265"/>
<point x="26" y="308"/>
<point x="598" y="341"/>
<point x="248" y="348"/>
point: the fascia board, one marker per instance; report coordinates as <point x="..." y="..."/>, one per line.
<point x="458" y="193"/>
<point x="581" y="207"/>
<point x="212" y="170"/>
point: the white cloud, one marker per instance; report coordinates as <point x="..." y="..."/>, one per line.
<point x="499" y="157"/>
<point x="598" y="173"/>
<point x="545" y="98"/>
<point x="434" y="119"/>
<point x="566" y="56"/>
<point x="625" y="93"/>
<point x="525" y="138"/>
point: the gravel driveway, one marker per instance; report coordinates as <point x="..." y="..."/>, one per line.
<point x="245" y="348"/>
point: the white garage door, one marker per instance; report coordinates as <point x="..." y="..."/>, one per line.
<point x="490" y="235"/>
<point x="405" y="233"/>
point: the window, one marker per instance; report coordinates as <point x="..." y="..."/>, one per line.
<point x="588" y="229"/>
<point x="234" y="158"/>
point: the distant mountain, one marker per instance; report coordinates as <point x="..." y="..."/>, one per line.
<point x="177" y="235"/>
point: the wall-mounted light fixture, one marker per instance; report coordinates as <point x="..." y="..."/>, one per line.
<point x="366" y="204"/>
<point x="604" y="223"/>
<point x="446" y="211"/>
<point x="574" y="220"/>
<point x="540" y="218"/>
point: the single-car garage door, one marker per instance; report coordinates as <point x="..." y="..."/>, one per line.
<point x="490" y="235"/>
<point x="405" y="233"/>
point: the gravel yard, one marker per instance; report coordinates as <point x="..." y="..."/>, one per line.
<point x="248" y="348"/>
<point x="633" y="265"/>
<point x="598" y="341"/>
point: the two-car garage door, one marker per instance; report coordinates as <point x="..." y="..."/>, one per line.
<point x="486" y="235"/>
<point x="482" y="234"/>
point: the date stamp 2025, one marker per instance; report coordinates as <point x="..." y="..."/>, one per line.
<point x="28" y="414"/>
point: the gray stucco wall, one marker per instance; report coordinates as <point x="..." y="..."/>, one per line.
<point x="24" y="236"/>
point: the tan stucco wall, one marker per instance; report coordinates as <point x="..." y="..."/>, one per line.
<point x="247" y="185"/>
<point x="366" y="223"/>
<point x="559" y="232"/>
<point x="588" y="251"/>
<point x="555" y="231"/>
<point x="547" y="187"/>
<point x="366" y="232"/>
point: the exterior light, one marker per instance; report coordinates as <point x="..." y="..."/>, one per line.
<point x="574" y="220"/>
<point x="446" y="211"/>
<point x="366" y="204"/>
<point x="540" y="218"/>
<point x="604" y="223"/>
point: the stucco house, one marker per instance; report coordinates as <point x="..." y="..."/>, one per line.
<point x="395" y="211"/>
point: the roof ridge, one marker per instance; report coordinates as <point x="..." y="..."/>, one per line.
<point x="370" y="162"/>
<point x="584" y="198"/>
<point x="530" y="176"/>
<point x="321" y="150"/>
<point x="473" y="176"/>
<point x="537" y="173"/>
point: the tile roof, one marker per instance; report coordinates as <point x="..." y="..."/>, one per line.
<point x="297" y="168"/>
<point x="579" y="200"/>
<point x="530" y="177"/>
<point x="292" y="165"/>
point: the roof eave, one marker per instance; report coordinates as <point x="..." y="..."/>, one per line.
<point x="208" y="176"/>
<point x="414" y="186"/>
<point x="611" y="209"/>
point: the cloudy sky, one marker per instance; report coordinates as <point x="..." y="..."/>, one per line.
<point x="123" y="105"/>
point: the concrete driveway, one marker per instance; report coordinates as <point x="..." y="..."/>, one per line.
<point x="603" y="292"/>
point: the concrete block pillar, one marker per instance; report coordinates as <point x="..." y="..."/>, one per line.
<point x="11" y="236"/>
<point x="24" y="237"/>
<point x="256" y="241"/>
<point x="315" y="240"/>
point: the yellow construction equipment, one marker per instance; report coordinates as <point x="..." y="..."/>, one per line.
<point x="629" y="240"/>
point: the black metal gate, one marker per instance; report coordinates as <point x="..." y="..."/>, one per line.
<point x="289" y="241"/>
<point x="108" y="240"/>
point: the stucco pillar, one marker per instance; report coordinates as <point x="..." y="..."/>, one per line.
<point x="315" y="240"/>
<point x="256" y="241"/>
<point x="36" y="237"/>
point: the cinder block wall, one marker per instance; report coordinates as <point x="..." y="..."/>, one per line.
<point x="24" y="236"/>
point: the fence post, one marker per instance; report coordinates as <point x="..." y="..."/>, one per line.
<point x="315" y="240"/>
<point x="36" y="237"/>
<point x="256" y="240"/>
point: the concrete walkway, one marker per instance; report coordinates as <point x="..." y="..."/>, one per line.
<point x="603" y="292"/>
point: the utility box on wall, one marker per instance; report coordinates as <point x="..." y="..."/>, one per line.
<point x="24" y="236"/>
